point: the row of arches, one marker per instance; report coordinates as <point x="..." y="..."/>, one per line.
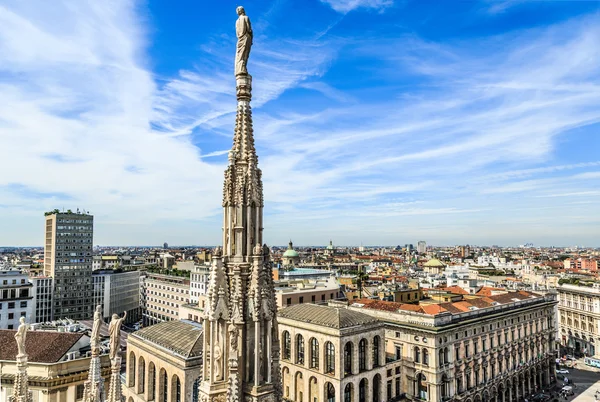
<point x="295" y="388"/>
<point x="356" y="359"/>
<point x="144" y="378"/>
<point x="515" y="387"/>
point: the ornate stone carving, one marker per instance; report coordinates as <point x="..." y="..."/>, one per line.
<point x="114" y="329"/>
<point x="20" y="336"/>
<point x="240" y="298"/>
<point x="243" y="29"/>
<point x="95" y="336"/>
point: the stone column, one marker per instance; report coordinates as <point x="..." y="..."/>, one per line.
<point x="115" y="393"/>
<point x="94" y="386"/>
<point x="21" y="392"/>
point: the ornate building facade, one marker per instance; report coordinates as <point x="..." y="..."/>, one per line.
<point x="241" y="343"/>
<point x="496" y="348"/>
<point x="332" y="353"/>
<point x="579" y="322"/>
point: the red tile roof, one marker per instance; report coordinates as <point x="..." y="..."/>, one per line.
<point x="456" y="290"/>
<point x="41" y="346"/>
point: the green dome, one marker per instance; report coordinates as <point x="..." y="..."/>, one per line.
<point x="290" y="252"/>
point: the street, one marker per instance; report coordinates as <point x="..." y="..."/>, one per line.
<point x="586" y="381"/>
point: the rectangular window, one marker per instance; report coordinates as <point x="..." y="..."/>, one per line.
<point x="289" y="301"/>
<point x="301" y="299"/>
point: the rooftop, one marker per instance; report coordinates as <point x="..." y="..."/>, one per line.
<point x="469" y="303"/>
<point x="327" y="316"/>
<point x="41" y="346"/>
<point x="182" y="337"/>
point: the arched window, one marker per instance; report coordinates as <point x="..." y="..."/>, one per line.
<point x="299" y="349"/>
<point x="348" y="352"/>
<point x="445" y="387"/>
<point x="141" y="384"/>
<point x="287" y="345"/>
<point x="362" y="355"/>
<point x="195" y="391"/>
<point x="176" y="389"/>
<point x="314" y="353"/>
<point x="441" y="357"/>
<point x="329" y="392"/>
<point x="151" y="381"/>
<point x="131" y="369"/>
<point x="417" y="354"/>
<point x="422" y="386"/>
<point x="376" y="387"/>
<point x="376" y="351"/>
<point x="348" y="392"/>
<point x="163" y="386"/>
<point x="298" y="386"/>
<point x="445" y="355"/>
<point x="329" y="358"/>
<point x="425" y="356"/>
<point x="362" y="390"/>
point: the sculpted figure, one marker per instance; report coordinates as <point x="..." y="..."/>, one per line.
<point x="218" y="361"/>
<point x="233" y="336"/>
<point x="97" y="324"/>
<point x="21" y="335"/>
<point x="114" y="329"/>
<point x="243" y="30"/>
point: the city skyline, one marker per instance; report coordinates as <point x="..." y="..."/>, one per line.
<point x="467" y="124"/>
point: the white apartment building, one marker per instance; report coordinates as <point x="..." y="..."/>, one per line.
<point x="42" y="299"/>
<point x="199" y="282"/>
<point x="164" y="296"/>
<point x="579" y="318"/>
<point x="16" y="299"/>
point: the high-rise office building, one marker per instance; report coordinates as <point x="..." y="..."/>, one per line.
<point x="68" y="259"/>
<point x="422" y="247"/>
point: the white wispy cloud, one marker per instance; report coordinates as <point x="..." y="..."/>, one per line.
<point x="345" y="6"/>
<point x="469" y="147"/>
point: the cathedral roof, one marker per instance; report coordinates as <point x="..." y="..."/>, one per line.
<point x="327" y="316"/>
<point x="181" y="337"/>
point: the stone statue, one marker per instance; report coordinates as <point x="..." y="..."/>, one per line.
<point x="243" y="30"/>
<point x="114" y="329"/>
<point x="218" y="361"/>
<point x="21" y="335"/>
<point x="233" y="336"/>
<point x="95" y="337"/>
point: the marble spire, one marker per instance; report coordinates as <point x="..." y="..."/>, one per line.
<point x="93" y="387"/>
<point x="21" y="392"/>
<point x="241" y="342"/>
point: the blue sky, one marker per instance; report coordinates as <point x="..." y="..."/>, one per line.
<point x="376" y="121"/>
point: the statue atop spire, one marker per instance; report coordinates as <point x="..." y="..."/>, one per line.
<point x="243" y="29"/>
<point x="241" y="342"/>
<point x="21" y="392"/>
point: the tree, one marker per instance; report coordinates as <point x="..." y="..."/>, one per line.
<point x="360" y="278"/>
